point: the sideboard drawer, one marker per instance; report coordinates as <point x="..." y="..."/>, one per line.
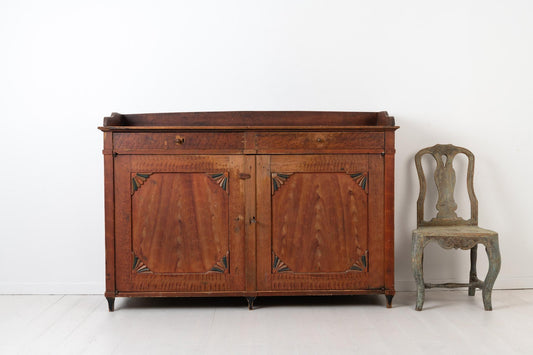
<point x="175" y="143"/>
<point x="319" y="142"/>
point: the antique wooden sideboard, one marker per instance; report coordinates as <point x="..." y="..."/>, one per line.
<point x="249" y="204"/>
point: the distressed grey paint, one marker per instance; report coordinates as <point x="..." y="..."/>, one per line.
<point x="449" y="230"/>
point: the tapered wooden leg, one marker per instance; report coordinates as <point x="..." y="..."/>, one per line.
<point x="493" y="252"/>
<point x="389" y="300"/>
<point x="250" y="302"/>
<point x="417" y="261"/>
<point x="473" y="271"/>
<point x="111" y="303"/>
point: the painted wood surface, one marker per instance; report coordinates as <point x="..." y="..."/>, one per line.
<point x="180" y="222"/>
<point x="315" y="233"/>
<point x="179" y="142"/>
<point x="319" y="222"/>
<point x="249" y="203"/>
<point x="177" y="223"/>
<point x="251" y="119"/>
<point x="449" y="230"/>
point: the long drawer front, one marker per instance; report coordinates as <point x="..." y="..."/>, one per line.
<point x="249" y="142"/>
<point x="318" y="142"/>
<point x="179" y="142"/>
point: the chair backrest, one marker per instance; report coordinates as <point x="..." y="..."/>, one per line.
<point x="445" y="182"/>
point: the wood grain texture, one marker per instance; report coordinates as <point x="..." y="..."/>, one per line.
<point x="185" y="163"/>
<point x="388" y="211"/>
<point x="319" y="222"/>
<point x="264" y="227"/>
<point x="237" y="228"/>
<point x="109" y="215"/>
<point x="329" y="163"/>
<point x="325" y="281"/>
<point x="249" y="203"/>
<point x="250" y="228"/>
<point x="251" y="119"/>
<point x="281" y="128"/>
<point x="180" y="223"/>
<point x="179" y="141"/>
<point x="318" y="142"/>
<point x="377" y="237"/>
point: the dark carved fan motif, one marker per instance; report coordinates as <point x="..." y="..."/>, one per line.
<point x="279" y="179"/>
<point x="360" y="179"/>
<point x="221" y="179"/>
<point x="138" y="265"/>
<point x="361" y="264"/>
<point x="137" y="180"/>
<point x="221" y="265"/>
<point x="278" y="265"/>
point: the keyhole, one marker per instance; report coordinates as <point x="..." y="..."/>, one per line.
<point x="444" y="159"/>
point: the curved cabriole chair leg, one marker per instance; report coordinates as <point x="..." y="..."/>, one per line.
<point x="493" y="252"/>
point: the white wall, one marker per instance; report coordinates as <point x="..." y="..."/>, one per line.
<point x="450" y="72"/>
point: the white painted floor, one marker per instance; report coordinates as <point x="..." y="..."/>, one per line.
<point x="451" y="323"/>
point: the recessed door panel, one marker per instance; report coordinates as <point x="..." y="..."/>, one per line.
<point x="315" y="234"/>
<point x="180" y="224"/>
<point x="180" y="221"/>
<point x="319" y="222"/>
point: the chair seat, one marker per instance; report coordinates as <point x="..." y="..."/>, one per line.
<point x="454" y="231"/>
<point x="457" y="237"/>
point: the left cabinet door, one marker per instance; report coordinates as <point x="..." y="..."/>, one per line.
<point x="179" y="223"/>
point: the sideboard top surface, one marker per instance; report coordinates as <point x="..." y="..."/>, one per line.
<point x="250" y="120"/>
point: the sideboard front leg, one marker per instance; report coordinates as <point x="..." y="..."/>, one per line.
<point x="250" y="302"/>
<point x="389" y="300"/>
<point x="111" y="303"/>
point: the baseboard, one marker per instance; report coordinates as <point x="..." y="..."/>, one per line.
<point x="97" y="288"/>
<point x="50" y="288"/>
<point x="504" y="284"/>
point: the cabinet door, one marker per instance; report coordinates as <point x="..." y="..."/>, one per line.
<point x="179" y="223"/>
<point x="323" y="227"/>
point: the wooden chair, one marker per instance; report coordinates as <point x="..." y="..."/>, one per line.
<point x="449" y="230"/>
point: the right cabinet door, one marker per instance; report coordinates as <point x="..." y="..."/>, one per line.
<point x="320" y="223"/>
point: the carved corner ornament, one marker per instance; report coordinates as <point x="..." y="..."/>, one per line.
<point x="278" y="179"/>
<point x="139" y="266"/>
<point x="360" y="179"/>
<point x="222" y="266"/>
<point x="361" y="264"/>
<point x="221" y="179"/>
<point x="137" y="180"/>
<point x="278" y="266"/>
